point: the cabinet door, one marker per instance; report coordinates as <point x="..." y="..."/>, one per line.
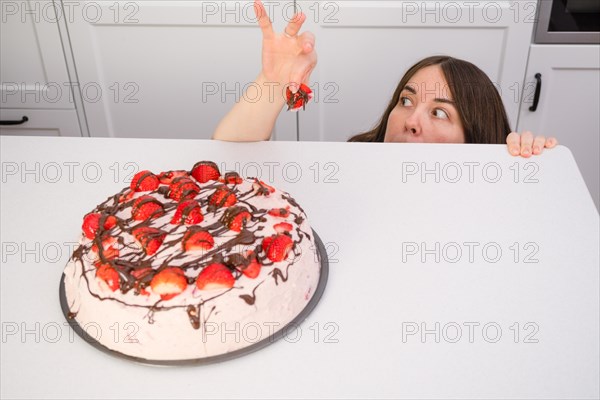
<point x="165" y="69"/>
<point x="33" y="71"/>
<point x="366" y="46"/>
<point x="40" y="122"/>
<point x="568" y="103"/>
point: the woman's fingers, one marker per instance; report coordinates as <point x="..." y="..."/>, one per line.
<point x="526" y="144"/>
<point x="538" y="144"/>
<point x="263" y="20"/>
<point x="294" y="26"/>
<point x="513" y="140"/>
<point x="551" y="142"/>
<point x="301" y="72"/>
<point x="307" y="42"/>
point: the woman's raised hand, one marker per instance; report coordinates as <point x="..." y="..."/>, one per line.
<point x="288" y="58"/>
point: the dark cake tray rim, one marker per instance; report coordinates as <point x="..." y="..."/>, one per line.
<point x="310" y="306"/>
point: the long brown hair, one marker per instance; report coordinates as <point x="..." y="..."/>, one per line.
<point x="477" y="101"/>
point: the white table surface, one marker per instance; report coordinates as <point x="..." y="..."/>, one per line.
<point x="360" y="341"/>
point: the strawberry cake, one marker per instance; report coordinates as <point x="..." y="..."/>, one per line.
<point x="191" y="265"/>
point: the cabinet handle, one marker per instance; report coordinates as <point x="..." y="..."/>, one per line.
<point x="538" y="90"/>
<point x="18" y="122"/>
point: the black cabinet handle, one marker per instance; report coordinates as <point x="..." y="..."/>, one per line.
<point x="18" y="122"/>
<point x="538" y="90"/>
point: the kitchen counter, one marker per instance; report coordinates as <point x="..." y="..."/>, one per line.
<point x="455" y="271"/>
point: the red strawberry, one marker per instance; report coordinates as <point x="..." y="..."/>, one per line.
<point x="235" y="218"/>
<point x="215" y="276"/>
<point x="109" y="276"/>
<point x="149" y="238"/>
<point x="110" y="248"/>
<point x="189" y="211"/>
<point x="231" y="178"/>
<point x="222" y="197"/>
<point x="91" y="223"/>
<point x="168" y="176"/>
<point x="183" y="188"/>
<point x="262" y="189"/>
<point x="197" y="239"/>
<point x="252" y="269"/>
<point x="298" y="100"/>
<point x="144" y="181"/>
<point x="277" y="247"/>
<point x="146" y="207"/>
<point x="280" y="212"/>
<point x="169" y="282"/>
<point x="205" y="171"/>
<point x="283" y="227"/>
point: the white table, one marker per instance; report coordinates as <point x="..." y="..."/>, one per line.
<point x="520" y="324"/>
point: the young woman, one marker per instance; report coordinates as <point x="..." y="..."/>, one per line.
<point x="439" y="100"/>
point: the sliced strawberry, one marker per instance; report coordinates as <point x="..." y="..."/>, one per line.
<point x="298" y="100"/>
<point x="205" y="171"/>
<point x="231" y="178"/>
<point x="222" y="197"/>
<point x="235" y="218"/>
<point x="183" y="188"/>
<point x="91" y="223"/>
<point x="283" y="227"/>
<point x="168" y="176"/>
<point x="109" y="276"/>
<point x="146" y="207"/>
<point x="262" y="189"/>
<point x="144" y="181"/>
<point x="189" y="212"/>
<point x="215" y="276"/>
<point x="110" y="248"/>
<point x="277" y="247"/>
<point x="280" y="212"/>
<point x="251" y="267"/>
<point x="197" y="239"/>
<point x="169" y="282"/>
<point x="149" y="238"/>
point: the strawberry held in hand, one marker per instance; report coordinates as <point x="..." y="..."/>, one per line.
<point x="298" y="100"/>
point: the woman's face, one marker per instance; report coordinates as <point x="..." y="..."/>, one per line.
<point x="425" y="112"/>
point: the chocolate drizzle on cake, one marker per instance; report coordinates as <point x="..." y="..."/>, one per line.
<point x="135" y="264"/>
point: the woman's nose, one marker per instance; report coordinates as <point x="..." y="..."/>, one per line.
<point x="413" y="123"/>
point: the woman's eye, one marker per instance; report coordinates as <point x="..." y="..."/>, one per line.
<point x="439" y="113"/>
<point x="405" y="101"/>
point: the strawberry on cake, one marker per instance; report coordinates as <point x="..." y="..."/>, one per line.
<point x="191" y="265"/>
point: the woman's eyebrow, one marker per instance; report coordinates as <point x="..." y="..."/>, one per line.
<point x="410" y="89"/>
<point x="446" y="101"/>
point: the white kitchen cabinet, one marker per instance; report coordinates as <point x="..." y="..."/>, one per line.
<point x="165" y="69"/>
<point x="35" y="82"/>
<point x="568" y="103"/>
<point x="366" y="46"/>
